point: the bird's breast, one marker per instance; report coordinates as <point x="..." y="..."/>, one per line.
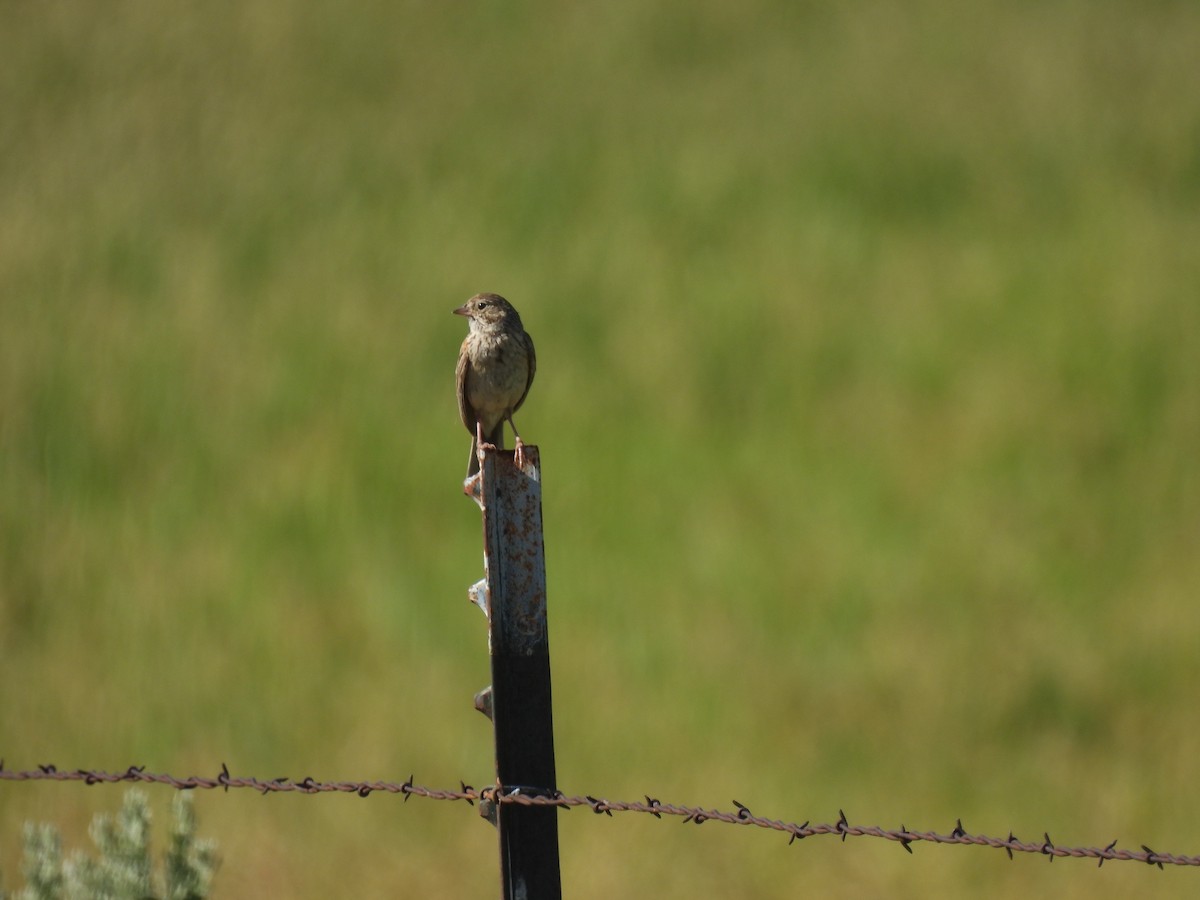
<point x="498" y="373"/>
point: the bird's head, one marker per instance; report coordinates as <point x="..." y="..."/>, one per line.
<point x="489" y="312"/>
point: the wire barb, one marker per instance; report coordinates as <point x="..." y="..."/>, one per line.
<point x="1150" y="857"/>
<point x="599" y="806"/>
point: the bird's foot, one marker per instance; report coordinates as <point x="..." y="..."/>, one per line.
<point x="480" y="448"/>
<point x="519" y="454"/>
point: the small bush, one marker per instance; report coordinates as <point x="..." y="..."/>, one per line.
<point x="123" y="870"/>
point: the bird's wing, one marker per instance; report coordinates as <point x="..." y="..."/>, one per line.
<point x="465" y="412"/>
<point x="532" y="368"/>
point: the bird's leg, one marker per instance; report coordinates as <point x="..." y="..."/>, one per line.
<point x="519" y="445"/>
<point x="480" y="443"/>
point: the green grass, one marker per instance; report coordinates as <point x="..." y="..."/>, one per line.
<point x="868" y="403"/>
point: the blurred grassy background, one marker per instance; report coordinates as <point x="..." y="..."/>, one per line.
<point x="868" y="402"/>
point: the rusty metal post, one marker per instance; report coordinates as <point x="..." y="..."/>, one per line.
<point x="513" y="595"/>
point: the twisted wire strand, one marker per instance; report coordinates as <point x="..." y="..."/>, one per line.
<point x="540" y="797"/>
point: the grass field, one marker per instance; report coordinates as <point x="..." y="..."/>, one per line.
<point x="868" y="402"/>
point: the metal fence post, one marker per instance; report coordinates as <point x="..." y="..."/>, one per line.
<point x="513" y="595"/>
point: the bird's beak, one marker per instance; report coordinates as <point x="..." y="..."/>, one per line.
<point x="463" y="311"/>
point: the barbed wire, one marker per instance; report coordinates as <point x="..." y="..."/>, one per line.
<point x="533" y="796"/>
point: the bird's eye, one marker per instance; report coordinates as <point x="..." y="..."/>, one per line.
<point x="482" y="304"/>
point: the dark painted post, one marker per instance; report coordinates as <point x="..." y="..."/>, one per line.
<point x="513" y="594"/>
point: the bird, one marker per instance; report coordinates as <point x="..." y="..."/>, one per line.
<point x="495" y="369"/>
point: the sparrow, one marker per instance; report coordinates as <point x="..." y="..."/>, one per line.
<point x="495" y="369"/>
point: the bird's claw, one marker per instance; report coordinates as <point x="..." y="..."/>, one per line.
<point x="482" y="447"/>
<point x="519" y="454"/>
